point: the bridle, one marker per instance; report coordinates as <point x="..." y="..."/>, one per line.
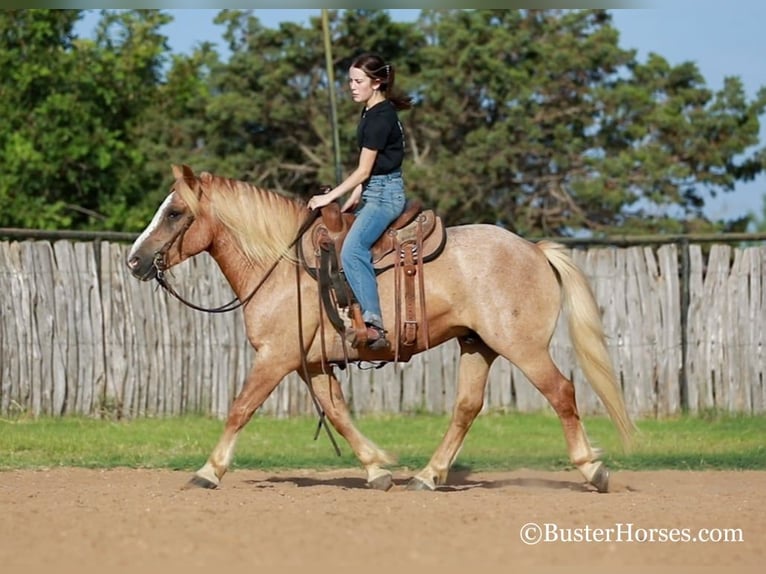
<point x="159" y="264"/>
<point x="161" y="254"/>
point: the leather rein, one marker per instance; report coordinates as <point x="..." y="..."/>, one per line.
<point x="236" y="303"/>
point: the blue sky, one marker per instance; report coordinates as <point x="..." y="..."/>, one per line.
<point x="723" y="39"/>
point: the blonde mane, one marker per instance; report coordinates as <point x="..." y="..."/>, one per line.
<point x="263" y="223"/>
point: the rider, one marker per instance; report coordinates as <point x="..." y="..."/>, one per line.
<point x="376" y="184"/>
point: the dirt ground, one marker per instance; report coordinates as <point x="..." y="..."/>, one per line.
<point x="68" y="519"/>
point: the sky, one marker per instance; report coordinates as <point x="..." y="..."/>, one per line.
<point x="722" y="38"/>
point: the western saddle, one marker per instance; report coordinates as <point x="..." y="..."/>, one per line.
<point x="414" y="238"/>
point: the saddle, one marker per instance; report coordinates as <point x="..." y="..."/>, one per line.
<point x="414" y="238"/>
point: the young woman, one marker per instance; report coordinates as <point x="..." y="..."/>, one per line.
<point x="376" y="185"/>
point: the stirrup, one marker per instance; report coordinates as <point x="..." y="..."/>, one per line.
<point x="378" y="342"/>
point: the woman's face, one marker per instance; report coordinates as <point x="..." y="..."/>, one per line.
<point x="362" y="87"/>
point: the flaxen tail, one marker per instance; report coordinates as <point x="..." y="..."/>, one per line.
<point x="587" y="335"/>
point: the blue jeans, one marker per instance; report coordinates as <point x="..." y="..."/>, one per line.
<point x="382" y="202"/>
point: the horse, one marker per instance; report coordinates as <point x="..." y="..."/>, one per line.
<point x="250" y="231"/>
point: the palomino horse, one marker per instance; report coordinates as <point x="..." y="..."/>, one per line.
<point x="249" y="233"/>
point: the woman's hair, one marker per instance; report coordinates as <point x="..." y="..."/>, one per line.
<point x="376" y="68"/>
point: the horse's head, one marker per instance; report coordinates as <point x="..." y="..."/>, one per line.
<point x="177" y="231"/>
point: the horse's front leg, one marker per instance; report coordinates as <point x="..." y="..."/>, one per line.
<point x="263" y="378"/>
<point x="329" y="394"/>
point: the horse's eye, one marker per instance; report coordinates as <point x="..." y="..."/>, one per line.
<point x="173" y="215"/>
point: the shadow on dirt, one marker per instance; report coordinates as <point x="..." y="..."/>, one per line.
<point x="458" y="481"/>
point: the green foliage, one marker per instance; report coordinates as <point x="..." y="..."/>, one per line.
<point x="537" y="120"/>
<point x="70" y="108"/>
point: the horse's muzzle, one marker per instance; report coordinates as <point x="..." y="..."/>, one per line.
<point x="143" y="268"/>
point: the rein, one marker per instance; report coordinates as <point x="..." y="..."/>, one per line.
<point x="234" y="304"/>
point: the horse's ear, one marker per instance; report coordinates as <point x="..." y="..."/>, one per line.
<point x="206" y="177"/>
<point x="184" y="171"/>
<point x="188" y="173"/>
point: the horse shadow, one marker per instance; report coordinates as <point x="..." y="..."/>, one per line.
<point x="458" y="481"/>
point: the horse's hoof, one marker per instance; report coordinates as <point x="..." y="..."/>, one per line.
<point x="601" y="478"/>
<point x="416" y="483"/>
<point x="383" y="482"/>
<point x="199" y="482"/>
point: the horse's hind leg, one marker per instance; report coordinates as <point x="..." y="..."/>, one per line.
<point x="330" y="396"/>
<point x="475" y="361"/>
<point x="537" y="365"/>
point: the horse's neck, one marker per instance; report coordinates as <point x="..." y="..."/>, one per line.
<point x="242" y="275"/>
<point x="239" y="267"/>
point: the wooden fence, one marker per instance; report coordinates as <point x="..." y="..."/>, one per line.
<point x="79" y="335"/>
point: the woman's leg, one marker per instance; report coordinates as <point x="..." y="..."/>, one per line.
<point x="383" y="201"/>
<point x="370" y="223"/>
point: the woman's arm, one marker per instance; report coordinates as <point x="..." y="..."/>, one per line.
<point x="358" y="176"/>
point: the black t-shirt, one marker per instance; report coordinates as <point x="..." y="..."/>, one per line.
<point x="380" y="129"/>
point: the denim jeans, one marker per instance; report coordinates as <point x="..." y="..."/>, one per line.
<point x="382" y="202"/>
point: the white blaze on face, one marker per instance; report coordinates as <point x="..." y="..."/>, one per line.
<point x="152" y="226"/>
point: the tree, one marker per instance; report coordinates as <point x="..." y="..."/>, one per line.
<point x="34" y="55"/>
<point x="70" y="106"/>
<point x="169" y="128"/>
<point x="539" y="121"/>
<point x="268" y="117"/>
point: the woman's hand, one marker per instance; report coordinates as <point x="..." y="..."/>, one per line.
<point x="319" y="201"/>
<point x="353" y="199"/>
